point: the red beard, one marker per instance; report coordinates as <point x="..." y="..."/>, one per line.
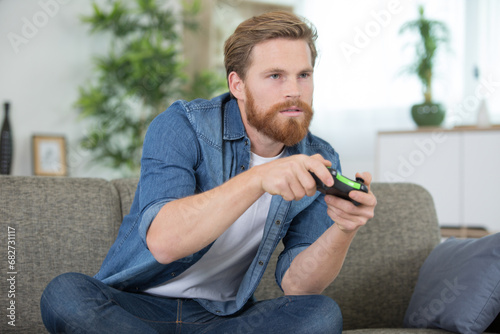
<point x="288" y="132"/>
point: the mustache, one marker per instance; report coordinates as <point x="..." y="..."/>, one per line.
<point x="280" y="106"/>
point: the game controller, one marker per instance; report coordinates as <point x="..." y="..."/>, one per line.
<point x="342" y="186"/>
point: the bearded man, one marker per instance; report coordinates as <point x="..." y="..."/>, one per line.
<point x="222" y="183"/>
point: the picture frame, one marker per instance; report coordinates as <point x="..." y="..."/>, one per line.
<point x="49" y="155"/>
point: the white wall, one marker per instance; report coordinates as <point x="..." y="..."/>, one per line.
<point x="359" y="86"/>
<point x="356" y="96"/>
<point x="45" y="54"/>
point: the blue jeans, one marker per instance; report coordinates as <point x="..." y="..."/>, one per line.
<point x="76" y="303"/>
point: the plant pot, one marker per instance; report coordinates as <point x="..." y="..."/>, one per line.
<point x="428" y="114"/>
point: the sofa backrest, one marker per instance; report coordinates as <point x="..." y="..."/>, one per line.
<point x="126" y="188"/>
<point x="56" y="225"/>
<point x="381" y="269"/>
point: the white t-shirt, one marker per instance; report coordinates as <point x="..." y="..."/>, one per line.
<point x="218" y="274"/>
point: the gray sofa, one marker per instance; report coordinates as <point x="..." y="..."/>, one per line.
<point x="58" y="225"/>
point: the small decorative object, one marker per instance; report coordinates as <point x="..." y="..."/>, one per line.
<point x="483" y="117"/>
<point x="433" y="34"/>
<point x="49" y="155"/>
<point x="6" y="143"/>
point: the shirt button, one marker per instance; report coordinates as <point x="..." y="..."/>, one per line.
<point x="172" y="274"/>
<point x="242" y="167"/>
<point x="261" y="263"/>
<point x="246" y="142"/>
<point x="278" y="222"/>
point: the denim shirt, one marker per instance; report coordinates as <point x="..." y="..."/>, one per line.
<point x="186" y="152"/>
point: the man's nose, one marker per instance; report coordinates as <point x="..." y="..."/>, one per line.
<point x="292" y="88"/>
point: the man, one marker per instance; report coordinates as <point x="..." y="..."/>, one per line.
<point x="222" y="182"/>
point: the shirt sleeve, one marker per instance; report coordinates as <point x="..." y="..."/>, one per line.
<point x="301" y="234"/>
<point x="169" y="160"/>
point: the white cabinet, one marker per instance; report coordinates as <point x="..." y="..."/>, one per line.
<point x="460" y="168"/>
<point x="481" y="178"/>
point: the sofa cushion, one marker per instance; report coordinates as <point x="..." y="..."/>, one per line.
<point x="458" y="288"/>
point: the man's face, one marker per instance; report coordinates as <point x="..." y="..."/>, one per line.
<point x="278" y="90"/>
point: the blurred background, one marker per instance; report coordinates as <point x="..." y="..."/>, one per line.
<point x="47" y="53"/>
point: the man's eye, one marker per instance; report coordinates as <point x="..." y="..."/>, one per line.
<point x="274" y="76"/>
<point x="305" y="75"/>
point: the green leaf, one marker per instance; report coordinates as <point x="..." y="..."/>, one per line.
<point x="433" y="34"/>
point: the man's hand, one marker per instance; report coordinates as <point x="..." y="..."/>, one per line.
<point x="346" y="215"/>
<point x="290" y="178"/>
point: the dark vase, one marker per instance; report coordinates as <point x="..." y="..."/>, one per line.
<point x="5" y="143"/>
<point x="428" y="114"/>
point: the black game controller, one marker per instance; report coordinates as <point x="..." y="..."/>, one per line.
<point x="342" y="186"/>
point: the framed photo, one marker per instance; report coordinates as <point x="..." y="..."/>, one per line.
<point x="49" y="155"/>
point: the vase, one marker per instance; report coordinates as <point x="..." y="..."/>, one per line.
<point x="428" y="114"/>
<point x="5" y="143"/>
<point x="483" y="117"/>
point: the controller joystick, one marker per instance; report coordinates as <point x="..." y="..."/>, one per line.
<point x="360" y="180"/>
<point x="342" y="186"/>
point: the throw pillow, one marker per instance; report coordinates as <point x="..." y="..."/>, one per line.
<point x="458" y="286"/>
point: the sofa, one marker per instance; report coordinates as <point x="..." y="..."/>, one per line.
<point x="52" y="225"/>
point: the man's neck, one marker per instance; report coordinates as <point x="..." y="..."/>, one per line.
<point x="264" y="146"/>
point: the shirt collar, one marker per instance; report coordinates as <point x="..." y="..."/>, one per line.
<point x="233" y="125"/>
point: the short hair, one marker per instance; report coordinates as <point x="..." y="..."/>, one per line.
<point x="258" y="29"/>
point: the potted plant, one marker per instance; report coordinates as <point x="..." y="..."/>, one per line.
<point x="433" y="35"/>
<point x="142" y="74"/>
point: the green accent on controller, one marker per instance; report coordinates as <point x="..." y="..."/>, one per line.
<point x="351" y="183"/>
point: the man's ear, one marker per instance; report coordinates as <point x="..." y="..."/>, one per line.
<point x="236" y="85"/>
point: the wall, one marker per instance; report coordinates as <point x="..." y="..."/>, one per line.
<point x="359" y="86"/>
<point x="360" y="89"/>
<point x="46" y="53"/>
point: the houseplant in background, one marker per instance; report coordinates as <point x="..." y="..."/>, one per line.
<point x="433" y="35"/>
<point x="142" y="74"/>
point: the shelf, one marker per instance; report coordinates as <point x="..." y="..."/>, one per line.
<point x="463" y="232"/>
<point x="494" y="127"/>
